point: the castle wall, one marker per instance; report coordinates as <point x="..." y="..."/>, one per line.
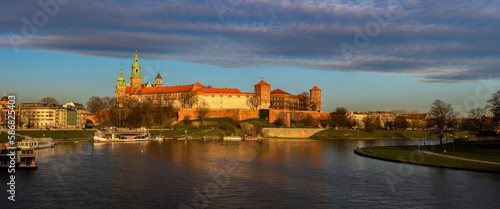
<point x="237" y="114"/>
<point x="224" y="101"/>
<point x="295" y="115"/>
<point x="290" y="132"/>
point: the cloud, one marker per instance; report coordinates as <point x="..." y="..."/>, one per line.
<point x="444" y="41"/>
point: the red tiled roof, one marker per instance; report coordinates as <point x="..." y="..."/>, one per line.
<point x="160" y="89"/>
<point x="278" y="91"/>
<point x="262" y="83"/>
<point x="198" y="84"/>
<point x="315" y="88"/>
<point x="218" y="90"/>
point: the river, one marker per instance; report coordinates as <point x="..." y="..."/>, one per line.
<point x="250" y="174"/>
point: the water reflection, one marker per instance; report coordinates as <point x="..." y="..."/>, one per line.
<point x="254" y="174"/>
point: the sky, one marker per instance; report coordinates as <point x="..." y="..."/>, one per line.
<point x="364" y="55"/>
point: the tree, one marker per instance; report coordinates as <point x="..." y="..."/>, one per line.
<point x="166" y="111"/>
<point x="341" y="118"/>
<point x="189" y="99"/>
<point x="187" y="120"/>
<point x="479" y="121"/>
<point x="442" y="118"/>
<point x="27" y="117"/>
<point x="95" y="104"/>
<point x="49" y="100"/>
<point x="202" y="112"/>
<point x="280" y="121"/>
<point x="310" y="121"/>
<point x="304" y="101"/>
<point x="400" y="123"/>
<point x="98" y="106"/>
<point x="494" y="106"/>
<point x="371" y="123"/>
<point x="253" y="102"/>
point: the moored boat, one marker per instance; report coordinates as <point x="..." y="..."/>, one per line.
<point x="36" y="143"/>
<point x="232" y="138"/>
<point x="124" y="135"/>
<point x="26" y="158"/>
<point x="4" y="156"/>
<point x="251" y="138"/>
<point x="210" y="137"/>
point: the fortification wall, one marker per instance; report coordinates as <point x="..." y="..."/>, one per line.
<point x="237" y="114"/>
<point x="290" y="132"/>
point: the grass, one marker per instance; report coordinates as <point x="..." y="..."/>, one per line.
<point x="259" y="123"/>
<point x="56" y="134"/>
<point x="4" y="137"/>
<point x="476" y="150"/>
<point x="409" y="154"/>
<point x="384" y="134"/>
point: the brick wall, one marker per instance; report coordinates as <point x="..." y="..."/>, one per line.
<point x="294" y="115"/>
<point x="237" y="114"/>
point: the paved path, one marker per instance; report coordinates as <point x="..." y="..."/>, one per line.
<point x="460" y="158"/>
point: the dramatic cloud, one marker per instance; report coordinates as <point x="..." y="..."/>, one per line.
<point x="435" y="41"/>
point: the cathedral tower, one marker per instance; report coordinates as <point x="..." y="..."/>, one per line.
<point x="121" y="87"/>
<point x="135" y="76"/>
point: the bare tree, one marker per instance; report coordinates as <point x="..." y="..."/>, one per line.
<point x="253" y="102"/>
<point x="95" y="104"/>
<point x="189" y="99"/>
<point x="49" y="100"/>
<point x="304" y="101"/>
<point x="281" y="120"/>
<point x="442" y="117"/>
<point x="479" y="121"/>
<point x="27" y="117"/>
<point x="400" y="123"/>
<point x="341" y="118"/>
<point x="310" y="121"/>
<point x="494" y="106"/>
<point x="371" y="123"/>
<point x="202" y="112"/>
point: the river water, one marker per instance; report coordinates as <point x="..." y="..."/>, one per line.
<point x="250" y="174"/>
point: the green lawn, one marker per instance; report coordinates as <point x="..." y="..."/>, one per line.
<point x="4" y="137"/>
<point x="478" y="151"/>
<point x="56" y="134"/>
<point x="410" y="154"/>
<point x="259" y="123"/>
<point x="385" y="134"/>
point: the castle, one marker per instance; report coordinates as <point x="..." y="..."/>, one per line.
<point x="196" y="95"/>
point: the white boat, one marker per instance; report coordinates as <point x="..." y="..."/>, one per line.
<point x="26" y="158"/>
<point x="232" y="138"/>
<point x="36" y="143"/>
<point x="114" y="135"/>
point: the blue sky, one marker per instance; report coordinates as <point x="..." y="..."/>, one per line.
<point x="364" y="55"/>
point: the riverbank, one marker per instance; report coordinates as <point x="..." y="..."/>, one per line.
<point x="466" y="156"/>
<point x="385" y="134"/>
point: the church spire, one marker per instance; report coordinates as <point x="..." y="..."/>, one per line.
<point x="121" y="79"/>
<point x="135" y="76"/>
<point x="136" y="67"/>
